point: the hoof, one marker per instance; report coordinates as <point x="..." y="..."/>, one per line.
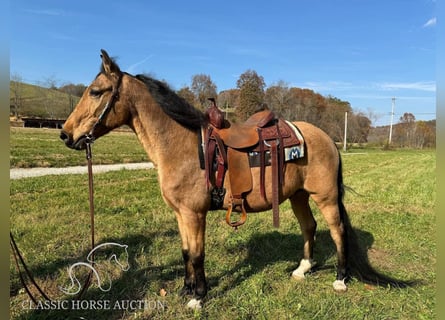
<point x="194" y="304"/>
<point x="305" y="266"/>
<point x="297" y="275"/>
<point x="340" y="286"/>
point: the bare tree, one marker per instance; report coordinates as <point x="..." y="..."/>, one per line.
<point x="45" y="91"/>
<point x="16" y="88"/>
<point x="73" y="91"/>
<point x="279" y="98"/>
<point x="406" y="130"/>
<point x="228" y="98"/>
<point x="50" y="82"/>
<point x="425" y="134"/>
<point x="203" y="88"/>
<point x="372" y="115"/>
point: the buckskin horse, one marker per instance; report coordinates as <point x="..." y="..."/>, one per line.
<point x="170" y="129"/>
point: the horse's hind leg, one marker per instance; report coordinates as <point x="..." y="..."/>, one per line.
<point x="329" y="207"/>
<point x="302" y="210"/>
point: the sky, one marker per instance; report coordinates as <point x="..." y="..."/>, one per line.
<point x="362" y="51"/>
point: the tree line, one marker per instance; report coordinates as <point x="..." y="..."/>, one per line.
<point x="407" y="133"/>
<point x="44" y="100"/>
<point x="291" y="103"/>
<point x="250" y="95"/>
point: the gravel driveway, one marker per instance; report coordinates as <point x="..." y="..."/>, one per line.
<point x="19" y="173"/>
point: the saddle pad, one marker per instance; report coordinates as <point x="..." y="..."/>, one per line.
<point x="297" y="151"/>
<point x="290" y="153"/>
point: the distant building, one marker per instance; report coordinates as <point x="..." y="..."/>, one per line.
<point x="34" y="122"/>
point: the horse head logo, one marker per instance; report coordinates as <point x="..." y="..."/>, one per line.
<point x="119" y="257"/>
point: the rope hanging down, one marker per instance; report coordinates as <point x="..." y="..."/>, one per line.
<point x="18" y="257"/>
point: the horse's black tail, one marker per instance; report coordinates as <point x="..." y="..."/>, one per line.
<point x="357" y="258"/>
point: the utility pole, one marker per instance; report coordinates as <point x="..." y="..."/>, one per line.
<point x="346" y="130"/>
<point x="392" y="118"/>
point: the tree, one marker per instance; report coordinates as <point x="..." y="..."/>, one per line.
<point x="187" y="95"/>
<point x="228" y="100"/>
<point x="333" y="117"/>
<point x="203" y="88"/>
<point x="407" y="118"/>
<point x="279" y="99"/>
<point x="425" y="134"/>
<point x="359" y="126"/>
<point x="405" y="131"/>
<point x="251" y="87"/>
<point x="72" y="90"/>
<point x="307" y="105"/>
<point x="76" y="90"/>
<point x="50" y="82"/>
<point x="16" y="94"/>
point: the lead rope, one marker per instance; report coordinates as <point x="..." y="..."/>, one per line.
<point x="91" y="191"/>
<point x="18" y="257"/>
<point x="89" y="155"/>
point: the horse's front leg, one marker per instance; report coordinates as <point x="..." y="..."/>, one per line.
<point x="192" y="229"/>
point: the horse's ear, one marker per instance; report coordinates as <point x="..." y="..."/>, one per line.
<point x="108" y="65"/>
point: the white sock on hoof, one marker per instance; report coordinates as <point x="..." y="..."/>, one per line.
<point x="194" y="304"/>
<point x="305" y="266"/>
<point x="340" y="286"/>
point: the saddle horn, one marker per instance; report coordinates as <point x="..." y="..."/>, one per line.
<point x="214" y="115"/>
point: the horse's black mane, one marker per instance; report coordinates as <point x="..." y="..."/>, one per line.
<point x="173" y="105"/>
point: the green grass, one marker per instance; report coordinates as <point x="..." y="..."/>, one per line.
<point x="31" y="147"/>
<point x="249" y="270"/>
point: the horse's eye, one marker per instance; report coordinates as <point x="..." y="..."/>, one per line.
<point x="95" y="93"/>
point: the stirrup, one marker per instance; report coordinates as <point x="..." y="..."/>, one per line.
<point x="235" y="224"/>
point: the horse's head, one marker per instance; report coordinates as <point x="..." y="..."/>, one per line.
<point x="101" y="108"/>
<point x="113" y="252"/>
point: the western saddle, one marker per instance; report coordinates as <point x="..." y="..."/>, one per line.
<point x="235" y="148"/>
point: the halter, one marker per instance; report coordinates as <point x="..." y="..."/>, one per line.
<point x="110" y="103"/>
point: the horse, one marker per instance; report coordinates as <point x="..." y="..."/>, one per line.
<point x="121" y="262"/>
<point x="169" y="129"/>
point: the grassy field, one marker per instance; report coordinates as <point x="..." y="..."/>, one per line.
<point x="41" y="101"/>
<point x="249" y="270"/>
<point x="31" y="147"/>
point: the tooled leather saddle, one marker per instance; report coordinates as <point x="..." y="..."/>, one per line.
<point x="234" y="148"/>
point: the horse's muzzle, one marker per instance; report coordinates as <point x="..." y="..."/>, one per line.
<point x="79" y="144"/>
